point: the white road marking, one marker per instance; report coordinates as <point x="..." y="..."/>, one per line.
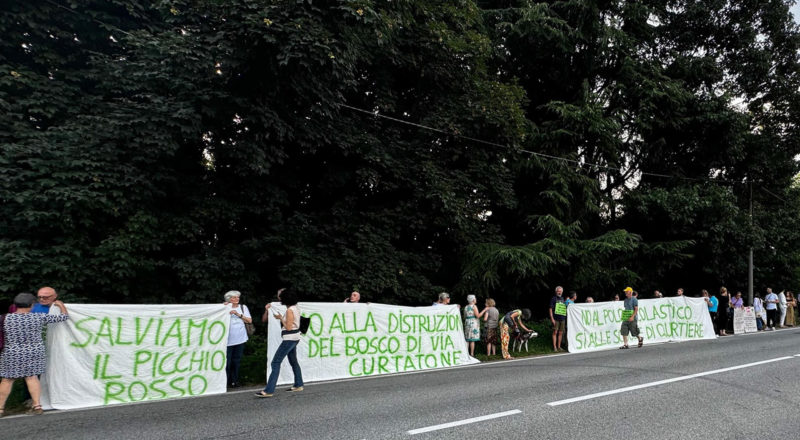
<point x="666" y="381"/>
<point x="464" y="422"/>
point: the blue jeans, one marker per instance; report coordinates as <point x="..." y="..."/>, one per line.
<point x="234" y="359"/>
<point x="286" y="349"/>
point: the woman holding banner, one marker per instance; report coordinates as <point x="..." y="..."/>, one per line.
<point x="24" y="354"/>
<point x="290" y="336"/>
<point x="472" y="325"/>
<point x="237" y="336"/>
<point x="737" y="302"/>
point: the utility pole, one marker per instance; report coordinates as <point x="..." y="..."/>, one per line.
<point x="750" y="259"/>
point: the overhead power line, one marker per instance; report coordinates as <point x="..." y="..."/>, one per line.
<point x="532" y="153"/>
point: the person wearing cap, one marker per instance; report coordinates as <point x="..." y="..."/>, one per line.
<point x="444" y="299"/>
<point x="558" y="316"/>
<point x="629" y="322"/>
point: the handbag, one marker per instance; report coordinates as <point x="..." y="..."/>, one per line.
<point x="249" y="327"/>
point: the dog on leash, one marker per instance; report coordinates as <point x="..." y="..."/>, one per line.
<point x="520" y="339"/>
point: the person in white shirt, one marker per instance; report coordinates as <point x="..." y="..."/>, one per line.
<point x="782" y="308"/>
<point x="237" y="336"/>
<point x="758" y="308"/>
<point x="771" y="302"/>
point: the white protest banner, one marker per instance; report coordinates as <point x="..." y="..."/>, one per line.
<point x="744" y="320"/>
<point x="595" y="326"/>
<point x="353" y="340"/>
<point x="107" y="354"/>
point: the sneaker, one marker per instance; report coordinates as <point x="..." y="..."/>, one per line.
<point x="295" y="389"/>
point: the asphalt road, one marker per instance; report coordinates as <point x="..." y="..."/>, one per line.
<point x="743" y="402"/>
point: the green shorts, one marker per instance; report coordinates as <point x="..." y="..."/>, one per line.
<point x="560" y="326"/>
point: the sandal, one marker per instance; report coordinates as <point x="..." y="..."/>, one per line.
<point x="36" y="410"/>
<point x="262" y="394"/>
<point x="641" y="341"/>
<point x="624" y="347"/>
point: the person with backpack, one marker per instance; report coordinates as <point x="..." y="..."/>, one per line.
<point x="290" y="336"/>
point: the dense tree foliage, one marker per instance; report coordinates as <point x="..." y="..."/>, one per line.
<point x="171" y="150"/>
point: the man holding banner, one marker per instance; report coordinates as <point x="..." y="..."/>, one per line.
<point x="629" y="323"/>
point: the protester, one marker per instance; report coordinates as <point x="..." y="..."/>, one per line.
<point x="491" y="317"/>
<point x="290" y="336"/>
<point x="680" y="292"/>
<point x="46" y="296"/>
<point x="472" y="325"/>
<point x="630" y="324"/>
<point x="771" y="301"/>
<point x="791" y="306"/>
<point x="558" y="316"/>
<point x="658" y="294"/>
<point x="782" y="308"/>
<point x="511" y="320"/>
<point x="737" y="302"/>
<point x="713" y="304"/>
<point x="237" y="335"/>
<point x="589" y="299"/>
<point x="24" y="352"/>
<point x="616" y="297"/>
<point x="722" y="311"/>
<point x="444" y="299"/>
<point x="758" y="308"/>
<point x="353" y="298"/>
<point x="572" y="298"/>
